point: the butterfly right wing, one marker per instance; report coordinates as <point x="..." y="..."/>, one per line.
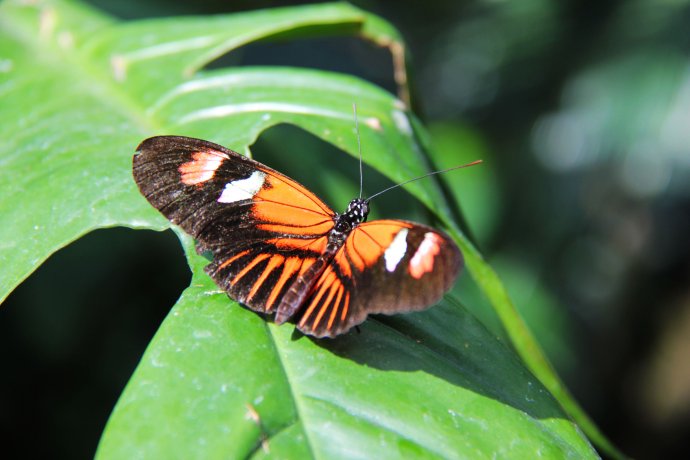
<point x="262" y="228"/>
<point x="385" y="266"/>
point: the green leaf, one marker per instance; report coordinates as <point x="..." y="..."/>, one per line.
<point x="426" y="385"/>
<point x="79" y="91"/>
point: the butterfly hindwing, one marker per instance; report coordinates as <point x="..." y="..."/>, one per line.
<point x="384" y="266"/>
<point x="262" y="228"/>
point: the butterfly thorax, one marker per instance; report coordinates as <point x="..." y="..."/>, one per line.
<point x="356" y="213"/>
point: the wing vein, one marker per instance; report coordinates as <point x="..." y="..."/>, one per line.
<point x="290" y="183"/>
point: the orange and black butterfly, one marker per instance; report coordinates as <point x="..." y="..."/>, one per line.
<point x="278" y="248"/>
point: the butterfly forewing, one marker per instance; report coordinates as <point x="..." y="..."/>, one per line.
<point x="262" y="228"/>
<point x="385" y="266"/>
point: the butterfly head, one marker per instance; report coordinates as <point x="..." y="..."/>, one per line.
<point x="358" y="210"/>
<point x="356" y="213"/>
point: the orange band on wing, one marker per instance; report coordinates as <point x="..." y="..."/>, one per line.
<point x="282" y="189"/>
<point x="327" y="277"/>
<point x="329" y="286"/>
<point x="291" y="266"/>
<point x="343" y="264"/>
<point x="368" y="242"/>
<point x="284" y="206"/>
<point x="250" y="265"/>
<point x="274" y="262"/>
<point x="346" y="306"/>
<point x="284" y="217"/>
<point x="317" y="245"/>
<point x="336" y="304"/>
<point x="233" y="258"/>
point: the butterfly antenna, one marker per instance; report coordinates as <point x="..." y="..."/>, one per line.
<point x="422" y="177"/>
<point x="359" y="147"/>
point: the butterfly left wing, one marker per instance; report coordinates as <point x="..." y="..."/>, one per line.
<point x="263" y="229"/>
<point x="384" y="266"/>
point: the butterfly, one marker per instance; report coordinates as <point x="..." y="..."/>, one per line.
<point x="279" y="249"/>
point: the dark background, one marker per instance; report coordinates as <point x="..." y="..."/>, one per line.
<point x="581" y="112"/>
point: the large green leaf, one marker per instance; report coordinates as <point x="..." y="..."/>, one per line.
<point x="429" y="384"/>
<point x="79" y="91"/>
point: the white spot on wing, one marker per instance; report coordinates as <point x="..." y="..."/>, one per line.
<point x="396" y="250"/>
<point x="201" y="168"/>
<point x="242" y="189"/>
<point x="423" y="260"/>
